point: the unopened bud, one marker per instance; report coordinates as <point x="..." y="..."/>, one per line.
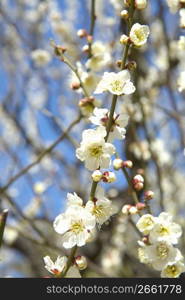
<point x="133" y="210"/>
<point x="125" y="209"/>
<point x="81" y="33"/>
<point x="140" y="206"/>
<point x="128" y="164"/>
<point x="117" y="163"/>
<point x="131" y="66"/>
<point x="75" y="85"/>
<point x="81" y="262"/>
<point x="138" y="186"/>
<point x="124" y="14"/>
<point x="140" y="4"/>
<point x="90" y="38"/>
<point x="138" y="178"/>
<point x="109" y="177"/>
<point x="124" y="39"/>
<point x="86" y="101"/>
<point x="145" y="240"/>
<point x="85" y="48"/>
<point x="148" y="195"/>
<point x="127" y="2"/>
<point x="118" y="63"/>
<point x="96" y="176"/>
<point x="59" y="50"/>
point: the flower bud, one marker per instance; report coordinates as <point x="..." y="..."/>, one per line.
<point x="148" y="195"/>
<point x="124" y="39"/>
<point x="81" y="33"/>
<point x="145" y="240"/>
<point x="59" y="50"/>
<point x="75" y="85"/>
<point x="90" y="38"/>
<point x="117" y="163"/>
<point x="131" y="66"/>
<point x="138" y="178"/>
<point x="96" y="176"/>
<point x="85" y="48"/>
<point x="118" y="63"/>
<point x="127" y="2"/>
<point x="128" y="164"/>
<point x="140" y="206"/>
<point x="86" y="101"/>
<point x="81" y="262"/>
<point x="140" y="4"/>
<point x="109" y="177"/>
<point x="138" y="186"/>
<point x="133" y="210"/>
<point x="125" y="209"/>
<point x="124" y="14"/>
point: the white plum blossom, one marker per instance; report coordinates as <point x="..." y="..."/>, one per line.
<point x="94" y="150"/>
<point x="116" y="83"/>
<point x="181" y="82"/>
<point x="100" y="117"/>
<point x="41" y="57"/>
<point x="146" y="223"/>
<point x="73" y="199"/>
<point x="173" y="270"/>
<point x="100" y="56"/>
<point x="182" y="17"/>
<point x="139" y="34"/>
<point x="165" y="230"/>
<point x="74" y="225"/>
<point x="173" y="5"/>
<point x="141" y="4"/>
<point x="89" y="79"/>
<point x="160" y="253"/>
<point x="56" y="267"/>
<point x="100" y="207"/>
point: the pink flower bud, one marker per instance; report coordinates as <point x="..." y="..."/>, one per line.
<point x="138" y="186"/>
<point x="75" y="85"/>
<point x="128" y="164"/>
<point x="137" y="179"/>
<point x="148" y="195"/>
<point x="81" y="33"/>
<point x="140" y="206"/>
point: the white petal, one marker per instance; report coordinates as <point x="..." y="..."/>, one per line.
<point x="61" y="224"/>
<point x="129" y="88"/>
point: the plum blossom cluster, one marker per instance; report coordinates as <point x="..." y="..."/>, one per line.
<point x="157" y="247"/>
<point x="77" y="225"/>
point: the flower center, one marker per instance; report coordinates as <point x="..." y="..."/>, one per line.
<point x="148" y="222"/>
<point x="172" y="270"/>
<point x="163" y="230"/>
<point x="117" y="86"/>
<point x="139" y="34"/>
<point x="77" y="227"/>
<point x="162" y="251"/>
<point x="55" y="271"/>
<point x="98" y="211"/>
<point x="96" y="150"/>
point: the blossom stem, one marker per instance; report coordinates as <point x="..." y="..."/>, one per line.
<point x="112" y="109"/>
<point x="75" y="70"/>
<point x="93" y="19"/>
<point x="3" y="218"/>
<point x="134" y="194"/>
<point x="70" y="260"/>
<point x="93" y="190"/>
